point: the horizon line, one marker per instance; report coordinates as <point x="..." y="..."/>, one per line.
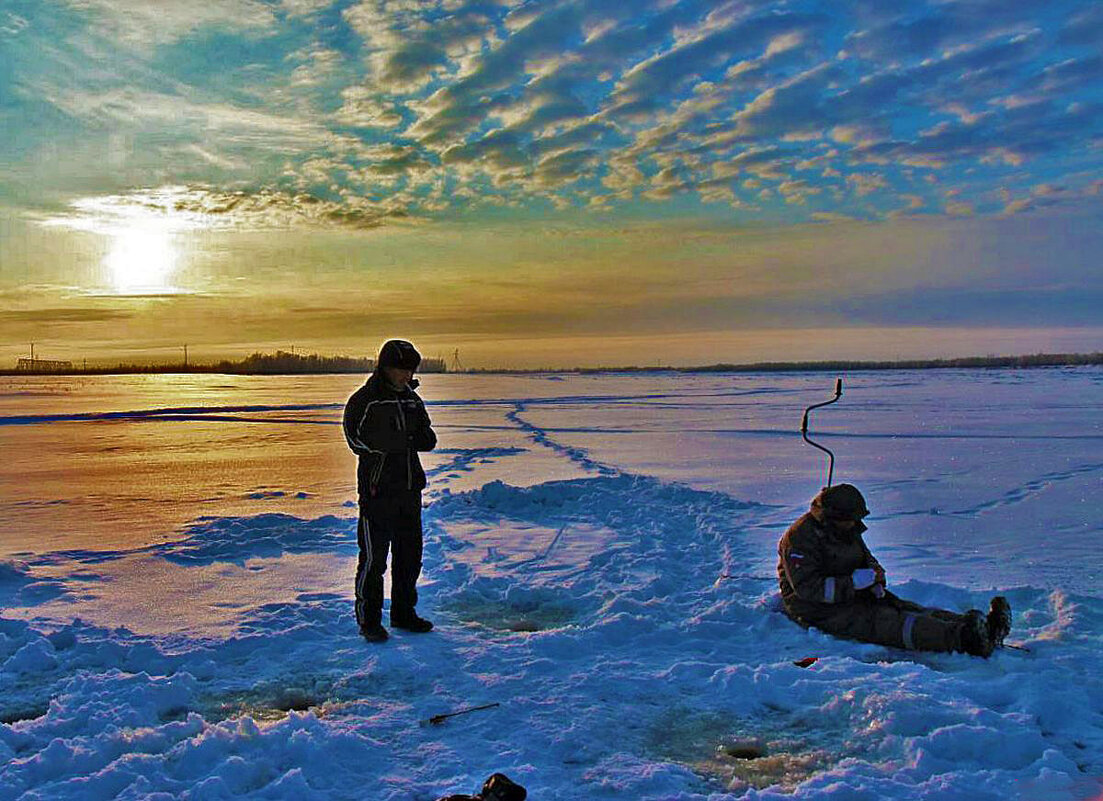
<point x="1034" y="360"/>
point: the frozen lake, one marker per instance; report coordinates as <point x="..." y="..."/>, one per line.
<point x="600" y="560"/>
<point x="981" y="466"/>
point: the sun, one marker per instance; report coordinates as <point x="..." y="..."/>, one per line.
<point x="146" y="235"/>
<point x="142" y="260"/>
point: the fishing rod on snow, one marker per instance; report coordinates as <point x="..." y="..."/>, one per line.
<point x="804" y="429"/>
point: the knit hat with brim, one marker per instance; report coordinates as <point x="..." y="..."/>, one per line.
<point x="398" y="353"/>
<point x="842" y="502"/>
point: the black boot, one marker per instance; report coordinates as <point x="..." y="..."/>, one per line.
<point x="411" y="622"/>
<point x="500" y="787"/>
<point x="374" y="632"/>
<point x="975" y="638"/>
<point x="999" y="620"/>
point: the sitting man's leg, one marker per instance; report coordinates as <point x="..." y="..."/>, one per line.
<point x="980" y="634"/>
<point x="909" y="626"/>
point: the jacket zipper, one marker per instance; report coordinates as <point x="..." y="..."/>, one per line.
<point x="409" y="469"/>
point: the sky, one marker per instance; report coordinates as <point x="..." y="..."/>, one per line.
<point x="543" y="184"/>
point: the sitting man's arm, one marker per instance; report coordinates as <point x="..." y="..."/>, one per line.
<point x="804" y="571"/>
<point x="879" y="582"/>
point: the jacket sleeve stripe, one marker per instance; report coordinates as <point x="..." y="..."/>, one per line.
<point x="909" y="624"/>
<point x="351" y="437"/>
<point x="356" y="444"/>
<point x="829" y="590"/>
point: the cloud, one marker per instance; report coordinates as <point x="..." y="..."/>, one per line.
<point x="1068" y="75"/>
<point x="441" y="106"/>
<point x="1084" y="28"/>
<point x="202" y="208"/>
<point x="905" y="39"/>
<point x="226" y="124"/>
<point x="866" y="183"/>
<point x="1013" y="137"/>
<point x="715" y="46"/>
<point x="144" y="24"/>
<point x="61" y="315"/>
<point x="794" y="106"/>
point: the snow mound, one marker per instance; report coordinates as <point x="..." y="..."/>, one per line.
<point x="238" y="539"/>
<point x="19" y="587"/>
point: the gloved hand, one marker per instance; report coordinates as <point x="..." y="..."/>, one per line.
<point x="878" y="588"/>
<point x="863" y="578"/>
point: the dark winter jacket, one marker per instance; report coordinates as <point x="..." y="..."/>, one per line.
<point x="386" y="428"/>
<point x="815" y="562"/>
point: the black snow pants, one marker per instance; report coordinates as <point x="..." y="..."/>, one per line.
<point x="390" y="522"/>
<point x="893" y="621"/>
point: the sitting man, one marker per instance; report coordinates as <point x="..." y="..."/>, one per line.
<point x="830" y="580"/>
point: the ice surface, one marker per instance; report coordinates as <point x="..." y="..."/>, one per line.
<point x="599" y="560"/>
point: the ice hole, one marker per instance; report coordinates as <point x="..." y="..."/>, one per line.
<point x="270" y="701"/>
<point x="738" y="754"/>
<point x="520" y="615"/>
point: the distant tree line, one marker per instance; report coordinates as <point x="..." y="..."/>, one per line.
<point x="970" y="362"/>
<point x="286" y="363"/>
<point x="283" y="362"/>
<point x="279" y="363"/>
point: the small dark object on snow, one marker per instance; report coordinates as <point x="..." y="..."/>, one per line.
<point x="807" y="662"/>
<point x="744" y="749"/>
<point x="438" y="719"/>
<point x="498" y="787"/>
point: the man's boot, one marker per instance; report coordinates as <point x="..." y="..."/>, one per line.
<point x="374" y="632"/>
<point x="975" y="638"/>
<point x="411" y="622"/>
<point x="999" y="620"/>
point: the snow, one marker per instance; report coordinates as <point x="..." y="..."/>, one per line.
<point x="599" y="561"/>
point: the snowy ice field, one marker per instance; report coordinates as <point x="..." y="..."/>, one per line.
<point x="176" y="560"/>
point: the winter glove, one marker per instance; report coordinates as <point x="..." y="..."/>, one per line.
<point x="420" y="431"/>
<point x="863" y="578"/>
<point x="878" y="588"/>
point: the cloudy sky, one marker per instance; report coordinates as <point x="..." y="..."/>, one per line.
<point x="551" y="183"/>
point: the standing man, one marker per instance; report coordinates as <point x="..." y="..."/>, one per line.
<point x="386" y="425"/>
<point x="830" y="580"/>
